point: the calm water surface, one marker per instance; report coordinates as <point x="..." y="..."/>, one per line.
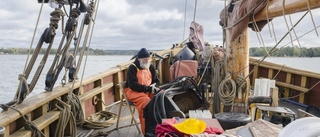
<point x="13" y="65"/>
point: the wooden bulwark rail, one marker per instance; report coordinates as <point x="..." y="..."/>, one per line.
<point x="100" y="86"/>
<point x="294" y="87"/>
<point x="290" y="80"/>
<point x="11" y="119"/>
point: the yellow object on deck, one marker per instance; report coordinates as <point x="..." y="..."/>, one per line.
<point x="191" y="126"/>
<point x="253" y="110"/>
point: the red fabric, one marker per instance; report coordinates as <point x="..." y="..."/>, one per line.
<point x="164" y="129"/>
<point x="141" y="99"/>
<point x="167" y="129"/>
<point x="184" y="68"/>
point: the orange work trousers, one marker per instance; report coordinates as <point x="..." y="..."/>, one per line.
<point x="140" y="100"/>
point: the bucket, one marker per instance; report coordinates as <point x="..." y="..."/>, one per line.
<point x="229" y="120"/>
<point x="2" y="130"/>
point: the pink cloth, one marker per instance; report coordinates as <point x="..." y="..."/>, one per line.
<point x="213" y="130"/>
<point x="166" y="129"/>
<point x="196" y="35"/>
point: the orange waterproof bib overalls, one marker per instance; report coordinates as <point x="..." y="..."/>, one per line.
<point x="141" y="99"/>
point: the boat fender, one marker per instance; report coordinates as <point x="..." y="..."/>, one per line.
<point x="47" y="35"/>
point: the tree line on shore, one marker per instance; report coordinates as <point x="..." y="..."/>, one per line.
<point x="254" y="51"/>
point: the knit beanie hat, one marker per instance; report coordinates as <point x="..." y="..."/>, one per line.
<point x="143" y="53"/>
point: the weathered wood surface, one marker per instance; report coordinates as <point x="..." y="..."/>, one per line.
<point x="277" y="8"/>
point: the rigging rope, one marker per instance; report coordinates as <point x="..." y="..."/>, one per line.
<point x="268" y="20"/>
<point x="184" y="19"/>
<point x="33" y="36"/>
<point x="75" y="101"/>
<point x="48" y="35"/>
<point x="259" y="35"/>
<point x="283" y="12"/>
<point x="66" y="117"/>
<point x="205" y="69"/>
<point x="195" y="10"/>
<point x="29" y="125"/>
<point x="273" y="48"/>
<point x="314" y="25"/>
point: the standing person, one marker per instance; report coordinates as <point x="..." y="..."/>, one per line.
<point x="141" y="74"/>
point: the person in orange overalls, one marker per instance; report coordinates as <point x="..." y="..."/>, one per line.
<point x="141" y="74"/>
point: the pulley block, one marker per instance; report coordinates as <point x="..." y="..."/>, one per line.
<point x="72" y="71"/>
<point x="71" y="23"/>
<point x="23" y="93"/>
<point x="87" y="19"/>
<point x="47" y="35"/>
<point x="48" y="82"/>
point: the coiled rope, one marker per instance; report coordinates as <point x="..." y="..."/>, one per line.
<point x="101" y="119"/>
<point x="227" y="91"/>
<point x="66" y="117"/>
<point x="76" y="108"/>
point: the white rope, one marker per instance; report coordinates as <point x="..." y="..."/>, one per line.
<point x="184" y="19"/>
<point x="294" y="32"/>
<point x="259" y="35"/>
<point x="284" y="15"/>
<point x="95" y="16"/>
<point x="33" y="37"/>
<point x="308" y="2"/>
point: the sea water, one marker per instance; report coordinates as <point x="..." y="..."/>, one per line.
<point x="13" y="65"/>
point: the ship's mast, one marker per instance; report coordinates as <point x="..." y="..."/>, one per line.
<point x="238" y="50"/>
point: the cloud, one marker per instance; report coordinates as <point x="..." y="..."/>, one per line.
<point x="128" y="24"/>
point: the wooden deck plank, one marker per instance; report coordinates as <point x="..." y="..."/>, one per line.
<point x="22" y="133"/>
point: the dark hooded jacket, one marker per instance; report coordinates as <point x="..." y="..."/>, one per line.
<point x="132" y="80"/>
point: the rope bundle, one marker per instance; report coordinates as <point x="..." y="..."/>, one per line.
<point x="101" y="119"/>
<point x="66" y="116"/>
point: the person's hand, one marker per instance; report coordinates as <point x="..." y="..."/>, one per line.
<point x="154" y="88"/>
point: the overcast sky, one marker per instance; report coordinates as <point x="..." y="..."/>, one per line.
<point x="132" y="24"/>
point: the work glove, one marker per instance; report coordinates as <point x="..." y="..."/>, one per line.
<point x="154" y="88"/>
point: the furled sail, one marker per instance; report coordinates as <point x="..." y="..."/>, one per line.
<point x="236" y="16"/>
<point x="196" y="35"/>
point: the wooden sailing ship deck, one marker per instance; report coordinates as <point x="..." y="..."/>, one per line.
<point x="101" y="89"/>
